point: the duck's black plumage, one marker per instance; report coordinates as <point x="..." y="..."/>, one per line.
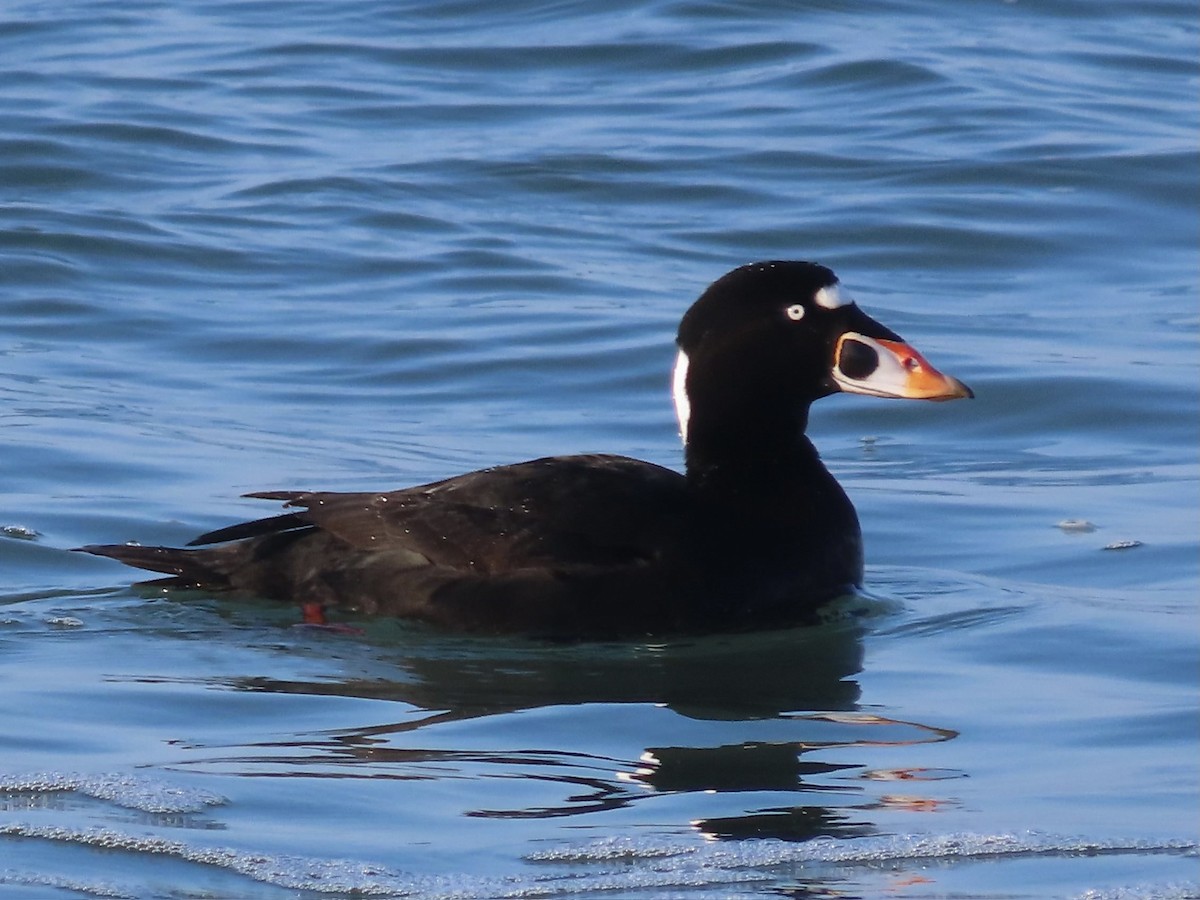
<point x="757" y="533"/>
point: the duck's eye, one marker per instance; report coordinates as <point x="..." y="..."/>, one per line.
<point x="795" y="312"/>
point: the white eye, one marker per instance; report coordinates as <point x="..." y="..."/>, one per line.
<point x="795" y="312"/>
<point x="831" y="297"/>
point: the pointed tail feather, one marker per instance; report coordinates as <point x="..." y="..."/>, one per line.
<point x="189" y="566"/>
<point x="242" y="530"/>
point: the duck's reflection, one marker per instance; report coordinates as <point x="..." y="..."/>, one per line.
<point x="736" y="677"/>
<point x="798" y="823"/>
<point x="756" y="718"/>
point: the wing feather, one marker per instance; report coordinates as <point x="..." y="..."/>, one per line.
<point x="560" y="511"/>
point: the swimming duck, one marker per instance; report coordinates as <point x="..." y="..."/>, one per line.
<point x="756" y="534"/>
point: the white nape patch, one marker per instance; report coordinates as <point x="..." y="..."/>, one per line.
<point x="831" y="297"/>
<point x="683" y="407"/>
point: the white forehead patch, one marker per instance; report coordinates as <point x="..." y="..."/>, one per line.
<point x="831" y="297"/>
<point x="683" y="407"/>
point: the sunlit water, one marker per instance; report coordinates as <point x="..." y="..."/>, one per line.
<point x="252" y="245"/>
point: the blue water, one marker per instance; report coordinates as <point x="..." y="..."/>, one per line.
<point x="252" y="245"/>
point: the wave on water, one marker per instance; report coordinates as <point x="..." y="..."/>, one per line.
<point x="646" y="864"/>
<point x="327" y="876"/>
<point x="613" y="864"/>
<point x="137" y="792"/>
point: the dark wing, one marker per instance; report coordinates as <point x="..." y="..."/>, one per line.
<point x="592" y="510"/>
<point x="257" y="528"/>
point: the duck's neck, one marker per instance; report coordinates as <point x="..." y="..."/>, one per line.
<point x="759" y="485"/>
<point x="753" y="450"/>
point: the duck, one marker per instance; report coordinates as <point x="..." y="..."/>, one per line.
<point x="755" y="533"/>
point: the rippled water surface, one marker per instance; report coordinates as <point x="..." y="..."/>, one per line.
<point x="252" y="245"/>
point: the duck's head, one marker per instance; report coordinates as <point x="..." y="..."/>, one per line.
<point x="767" y="339"/>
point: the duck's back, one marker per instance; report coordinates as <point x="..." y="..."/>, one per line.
<point x="562" y="513"/>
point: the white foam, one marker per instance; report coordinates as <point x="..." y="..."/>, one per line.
<point x="123" y="789"/>
<point x="63" y="883"/>
<point x="1077" y="526"/>
<point x="20" y="532"/>
<point x="860" y="851"/>
<point x="329" y="876"/>
<point x="1144" y="891"/>
<point x="628" y="863"/>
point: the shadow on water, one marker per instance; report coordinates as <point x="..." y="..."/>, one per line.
<point x="754" y="716"/>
